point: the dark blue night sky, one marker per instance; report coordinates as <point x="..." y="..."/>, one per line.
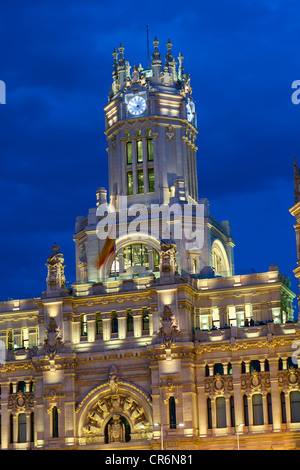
<point x="56" y="61"/>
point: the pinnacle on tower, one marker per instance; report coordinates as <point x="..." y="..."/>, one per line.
<point x="169" y="56"/>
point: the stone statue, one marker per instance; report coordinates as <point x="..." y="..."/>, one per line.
<point x="55" y="263"/>
<point x="168" y="329"/>
<point x="116" y="430"/>
<point x="53" y="338"/>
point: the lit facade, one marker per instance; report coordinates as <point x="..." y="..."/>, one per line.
<point x="162" y="345"/>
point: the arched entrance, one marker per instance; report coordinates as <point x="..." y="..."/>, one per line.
<point x="116" y="411"/>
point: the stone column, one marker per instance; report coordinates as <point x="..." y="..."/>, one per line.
<point x="106" y="326"/>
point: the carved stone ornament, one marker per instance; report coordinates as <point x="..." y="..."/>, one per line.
<point x="170" y="134"/>
<point x="56" y="277"/>
<point x="168" y="328"/>
<point x="168" y="253"/>
<point x="53" y="338"/>
<point x="115" y="404"/>
<point x="21" y="402"/>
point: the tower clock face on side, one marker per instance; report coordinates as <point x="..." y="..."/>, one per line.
<point x="136" y="105"/>
<point x="190" y="110"/>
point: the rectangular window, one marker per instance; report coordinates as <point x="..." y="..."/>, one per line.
<point x="129" y="152"/>
<point x="139" y="151"/>
<point x="99" y="324"/>
<point x="151" y="185"/>
<point x="150" y="149"/>
<point x="140" y="176"/>
<point x="129" y="183"/>
<point x="83" y="325"/>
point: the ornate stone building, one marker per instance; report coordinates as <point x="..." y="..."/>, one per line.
<point x="158" y="343"/>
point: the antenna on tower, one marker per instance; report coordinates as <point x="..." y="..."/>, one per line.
<point x="148" y="47"/>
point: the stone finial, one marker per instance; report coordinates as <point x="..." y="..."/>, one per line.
<point x="55" y="263"/>
<point x="296" y="181"/>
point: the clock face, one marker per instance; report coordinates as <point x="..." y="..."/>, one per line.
<point x="189" y="113"/>
<point x="136" y="105"/>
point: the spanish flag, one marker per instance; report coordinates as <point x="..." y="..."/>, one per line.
<point x="108" y="248"/>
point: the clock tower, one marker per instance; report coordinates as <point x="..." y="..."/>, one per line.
<point x="150" y="125"/>
<point x="151" y="131"/>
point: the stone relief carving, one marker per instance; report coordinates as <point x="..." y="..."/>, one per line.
<point x="53" y="338"/>
<point x="168" y="253"/>
<point x="115" y="404"/>
<point x="56" y="277"/>
<point x="168" y="328"/>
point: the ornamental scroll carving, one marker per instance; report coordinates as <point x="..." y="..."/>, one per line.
<point x="218" y="384"/>
<point x="256" y="381"/>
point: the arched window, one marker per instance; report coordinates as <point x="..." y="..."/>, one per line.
<point x="243" y="368"/>
<point x="295" y="406"/>
<point x="206" y="370"/>
<point x="280" y="364"/>
<point x="172" y="413"/>
<point x="54" y="421"/>
<point x="269" y="405"/>
<point x="114" y="322"/>
<point x="257" y="407"/>
<point x="11" y="428"/>
<point x="220" y="262"/>
<point x="209" y="415"/>
<point x="125" y="424"/>
<point x="128" y="150"/>
<point x="136" y="254"/>
<point x="267" y="366"/>
<point x="221" y="412"/>
<point x="22" y="427"/>
<point x="283" y="408"/>
<point x="129" y="320"/>
<point x="229" y="368"/>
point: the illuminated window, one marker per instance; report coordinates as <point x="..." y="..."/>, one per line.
<point x="221" y="412"/>
<point x="231" y="316"/>
<point x="22" y="427"/>
<point x="83" y="325"/>
<point x="295" y="406"/>
<point x="128" y="151"/>
<point x="139" y="151"/>
<point x="129" y="320"/>
<point x="215" y="318"/>
<point x="10" y="341"/>
<point x="114" y="322"/>
<point x="137" y="254"/>
<point x="129" y="183"/>
<point x="151" y="184"/>
<point x="140" y="180"/>
<point x="99" y="324"/>
<point x="150" y="147"/>
<point x="257" y="407"/>
<point x="145" y="319"/>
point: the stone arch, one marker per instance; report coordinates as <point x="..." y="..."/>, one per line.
<point x="124" y="241"/>
<point x="218" y="250"/>
<point x="105" y="401"/>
